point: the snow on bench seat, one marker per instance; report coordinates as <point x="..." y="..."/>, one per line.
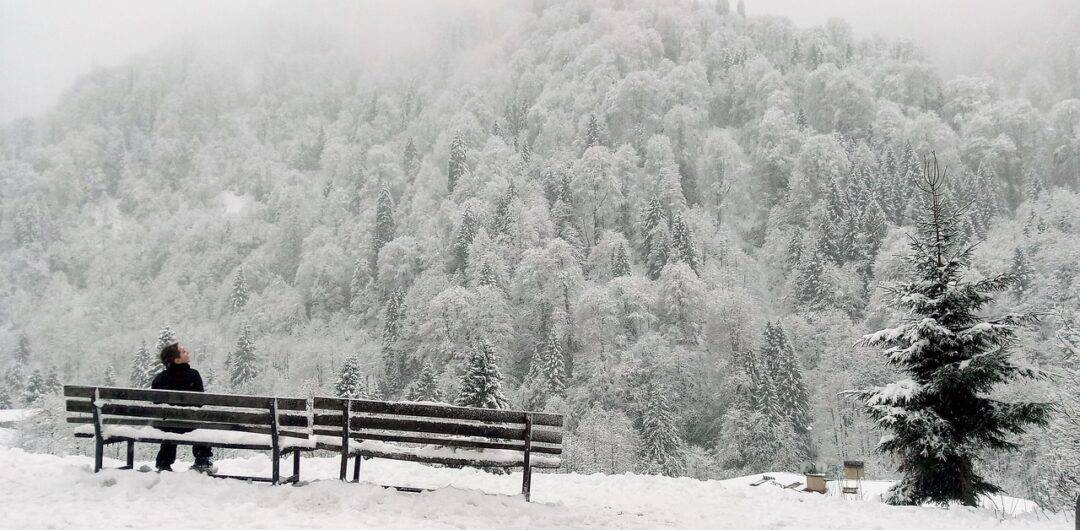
<point x="208" y="436"/>
<point x="441" y="454"/>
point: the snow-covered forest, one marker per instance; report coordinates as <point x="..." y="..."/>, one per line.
<point x="667" y="220"/>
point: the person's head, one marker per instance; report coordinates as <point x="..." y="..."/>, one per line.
<point x="174" y="354"/>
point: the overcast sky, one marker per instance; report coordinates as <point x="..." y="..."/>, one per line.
<point x="46" y="44"/>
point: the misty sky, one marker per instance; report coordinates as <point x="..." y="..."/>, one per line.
<point x="46" y="44"/>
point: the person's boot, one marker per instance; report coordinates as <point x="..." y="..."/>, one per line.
<point x="204" y="465"/>
<point x="164" y="468"/>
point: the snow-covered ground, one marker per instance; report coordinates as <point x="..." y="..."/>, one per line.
<point x="44" y="491"/>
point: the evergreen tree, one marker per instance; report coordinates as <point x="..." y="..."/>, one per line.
<point x="655" y="246"/>
<point x="620" y="261"/>
<point x="940" y="418"/>
<point x="470" y="225"/>
<point x="792" y="397"/>
<point x="239" y="296"/>
<point x="810" y="288"/>
<point x="144" y="367"/>
<point x="350" y="383"/>
<point x="384" y="226"/>
<point x="165" y="338"/>
<point x="456" y="167"/>
<point x="661" y="442"/>
<point x="741" y="8"/>
<point x="682" y="244"/>
<point x="480" y="385"/>
<point x="1022" y="270"/>
<point x="410" y="159"/>
<point x="548" y="369"/>
<point x="244" y="364"/>
<point x="6" y="400"/>
<point x="393" y="358"/>
<point x="837" y="240"/>
<point x="51" y="385"/>
<point x="592" y="132"/>
<point x="35" y="388"/>
<point x="503" y="215"/>
<point x="723" y="7"/>
<point x="426" y="386"/>
<point x="109" y="376"/>
<point x="22" y="351"/>
<point x="14" y="378"/>
<point x="796" y="55"/>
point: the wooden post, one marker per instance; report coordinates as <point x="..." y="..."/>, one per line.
<point x="1076" y="514"/>
<point x="131" y="454"/>
<point x="526" y="476"/>
<point x="275" y="449"/>
<point x="346" y="410"/>
<point x="99" y="443"/>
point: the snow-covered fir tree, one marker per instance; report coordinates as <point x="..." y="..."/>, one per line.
<point x="683" y="247"/>
<point x="384" y="225"/>
<point x="661" y="443"/>
<point x="22" y="351"/>
<point x="350" y="382"/>
<point x="592" y="132"/>
<point x="238" y="298"/>
<point x="548" y="369"/>
<point x="35" y="387"/>
<point x="940" y="419"/>
<point x="481" y="383"/>
<point x="620" y="261"/>
<point x="426" y="386"/>
<point x="792" y="396"/>
<point x="655" y="245"/>
<point x="243" y="365"/>
<point x="456" y="166"/>
<point x="144" y="366"/>
<point x="108" y="377"/>
<point x="392" y="355"/>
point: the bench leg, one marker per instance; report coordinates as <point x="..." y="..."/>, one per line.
<point x="356" y="469"/>
<point x="130" y="454"/>
<point x="275" y="455"/>
<point x="296" y="464"/>
<point x="344" y="474"/>
<point x="99" y="450"/>
<point x="526" y="482"/>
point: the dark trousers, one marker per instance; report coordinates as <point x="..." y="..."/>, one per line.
<point x="167" y="454"/>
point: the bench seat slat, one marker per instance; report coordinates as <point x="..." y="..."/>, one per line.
<point x="184" y="424"/>
<point x="435" y="410"/>
<point x="216" y="438"/>
<point x="434" y="440"/>
<point x="167" y="412"/>
<point x="179" y="397"/>
<point x="445" y="455"/>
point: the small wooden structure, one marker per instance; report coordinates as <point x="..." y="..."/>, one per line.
<point x="438" y="434"/>
<point x="854" y="471"/>
<point x="111" y="415"/>
<point x="815" y="482"/>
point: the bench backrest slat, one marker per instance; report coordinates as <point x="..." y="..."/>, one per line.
<point x="434" y="410"/>
<point x="166" y="412"/>
<point x="179" y="397"/>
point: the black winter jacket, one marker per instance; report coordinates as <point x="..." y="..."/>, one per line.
<point x="178" y="377"/>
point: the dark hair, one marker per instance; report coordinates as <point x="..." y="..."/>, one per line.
<point x="169" y="353"/>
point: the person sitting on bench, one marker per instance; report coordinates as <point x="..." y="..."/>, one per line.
<point x="179" y="375"/>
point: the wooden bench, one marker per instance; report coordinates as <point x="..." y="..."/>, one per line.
<point x="112" y="415"/>
<point x="438" y="434"/>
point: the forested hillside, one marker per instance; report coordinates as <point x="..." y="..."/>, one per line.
<point x="666" y="219"/>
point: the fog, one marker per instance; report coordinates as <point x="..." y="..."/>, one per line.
<point x="46" y="44"/>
